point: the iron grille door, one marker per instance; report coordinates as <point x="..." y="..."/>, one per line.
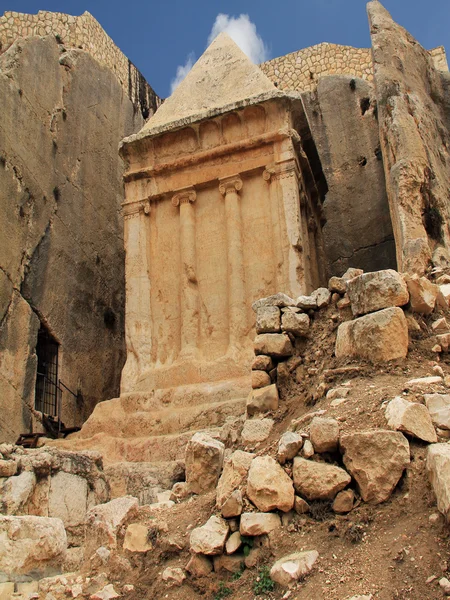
<point x="46" y="395"/>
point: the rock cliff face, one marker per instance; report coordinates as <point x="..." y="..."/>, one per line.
<point x="61" y="242"/>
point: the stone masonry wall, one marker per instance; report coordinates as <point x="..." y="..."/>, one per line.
<point x="301" y="70"/>
<point x="85" y="33"/>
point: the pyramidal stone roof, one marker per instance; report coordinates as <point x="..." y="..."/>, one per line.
<point x="223" y="76"/>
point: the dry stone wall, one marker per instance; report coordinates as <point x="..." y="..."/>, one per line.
<point x="85" y="33"/>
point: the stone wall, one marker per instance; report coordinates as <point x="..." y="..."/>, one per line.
<point x="85" y="33"/>
<point x="61" y="232"/>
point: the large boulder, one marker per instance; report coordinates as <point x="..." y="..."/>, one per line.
<point x="253" y="524"/>
<point x="411" y="418"/>
<point x="376" y="459"/>
<point x="210" y="538"/>
<point x="204" y="461"/>
<point x="422" y="294"/>
<point x="262" y="400"/>
<point x="268" y="485"/>
<point x="103" y="522"/>
<point x="438" y="406"/>
<point x="276" y="345"/>
<point x="438" y="467"/>
<point x="31" y="545"/>
<point x="378" y="337"/>
<point x="374" y="291"/>
<point x="289" y="569"/>
<point x="234" y="474"/>
<point x="16" y="491"/>
<point x="318" y="481"/>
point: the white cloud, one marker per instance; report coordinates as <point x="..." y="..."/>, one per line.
<point x="182" y="71"/>
<point x="243" y="32"/>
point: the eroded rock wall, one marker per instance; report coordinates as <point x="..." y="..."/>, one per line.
<point x="358" y="230"/>
<point x="61" y="232"/>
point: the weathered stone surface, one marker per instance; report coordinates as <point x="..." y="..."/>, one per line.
<point x="262" y="400"/>
<point x="106" y="593"/>
<point x="104" y="520"/>
<point x="232" y="564"/>
<point x="258" y="523"/>
<point x="376" y="459"/>
<point x="438" y="468"/>
<point x="262" y="363"/>
<point x="308" y="449"/>
<point x="276" y="345"/>
<point x="352" y="273"/>
<point x="301" y="507"/>
<point x="256" y="430"/>
<point x="268" y="319"/>
<point x="343" y="503"/>
<point x="423" y="383"/>
<point x="204" y="461"/>
<point x="280" y="300"/>
<point x="297" y="324"/>
<point x="337" y="284"/>
<point x="324" y="434"/>
<point x="16" y="491"/>
<point x="289" y="446"/>
<point x="440" y="325"/>
<point x="199" y="566"/>
<point x="322" y="296"/>
<point x="318" y="481"/>
<point x="137" y="538"/>
<point x="173" y="575"/>
<point x="68" y="497"/>
<point x="411" y="418"/>
<point x="210" y="538"/>
<point x="268" y="486"/>
<point x="412" y="130"/>
<point x="377" y="290"/>
<point x="260" y="379"/>
<point x="289" y="569"/>
<point x="234" y="474"/>
<point x="306" y="302"/>
<point x="422" y="294"/>
<point x="31" y="545"/>
<point x="438" y="406"/>
<point x="234" y="542"/>
<point x="378" y="337"/>
<point x="8" y="468"/>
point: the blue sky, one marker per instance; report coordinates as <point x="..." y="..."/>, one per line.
<point x="158" y="36"/>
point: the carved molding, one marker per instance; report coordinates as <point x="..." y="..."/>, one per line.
<point x="134" y="209"/>
<point x="230" y="184"/>
<point x="282" y="170"/>
<point x="187" y="196"/>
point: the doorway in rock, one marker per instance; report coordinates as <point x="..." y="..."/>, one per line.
<point x="46" y="395"/>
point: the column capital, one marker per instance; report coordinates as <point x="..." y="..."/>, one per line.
<point x="230" y="184"/>
<point x="185" y="196"/>
<point x="134" y="209"/>
<point x="282" y="170"/>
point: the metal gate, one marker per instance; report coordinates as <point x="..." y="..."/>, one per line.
<point x="46" y="395"/>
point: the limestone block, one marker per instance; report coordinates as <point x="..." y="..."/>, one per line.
<point x="318" y="481"/>
<point x="376" y="460"/>
<point x="268" y="485"/>
<point x="440" y="326"/>
<point x="351" y="273"/>
<point x="306" y="302"/>
<point x="210" y="538"/>
<point x="232" y="564"/>
<point x="173" y="576"/>
<point x="422" y="294"/>
<point x="301" y="507"/>
<point x="378" y="337"/>
<point x="104" y="520"/>
<point x="6" y="590"/>
<point x="16" y="491"/>
<point x="260" y="379"/>
<point x="438" y="468"/>
<point x="438" y="406"/>
<point x="256" y="430"/>
<point x="234" y="474"/>
<point x="137" y="538"/>
<point x="445" y="293"/>
<point x="31" y="545"/>
<point x="324" y="434"/>
<point x="343" y="503"/>
<point x="377" y="290"/>
<point x="8" y="468"/>
<point x="253" y="524"/>
<point x="287" y="571"/>
<point x="322" y="296"/>
<point x="199" y="566"/>
<point x="106" y="593"/>
<point x="268" y="319"/>
<point x="233" y="506"/>
<point x="337" y="284"/>
<point x="262" y="400"/>
<point x="204" y="461"/>
<point x="234" y="542"/>
<point x="289" y="446"/>
<point x="276" y="345"/>
<point x="297" y="324"/>
<point x="262" y="363"/>
<point x="411" y="418"/>
<point x="67" y="499"/>
<point x="280" y="300"/>
<point x="308" y="449"/>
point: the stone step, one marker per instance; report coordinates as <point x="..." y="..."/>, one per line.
<point x="162" y="422"/>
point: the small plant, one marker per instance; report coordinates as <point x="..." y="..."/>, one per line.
<point x="354" y="533"/>
<point x="58" y="38"/>
<point x="238" y="574"/>
<point x="263" y="584"/>
<point x="247" y="543"/>
<point x="222" y="592"/>
<point x="320" y="510"/>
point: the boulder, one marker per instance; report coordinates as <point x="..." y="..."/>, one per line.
<point x="260" y="379"/>
<point x="378" y="337"/>
<point x="280" y="300"/>
<point x="276" y="345"/>
<point x="351" y="273"/>
<point x="306" y="302"/>
<point x="173" y="576"/>
<point x="68" y="498"/>
<point x="210" y="538"/>
<point x="445" y="293"/>
<point x="234" y="542"/>
<point x="440" y="325"/>
<point x="268" y="319"/>
<point x="262" y="400"/>
<point x="31" y="545"/>
<point x="232" y="564"/>
<point x="376" y="459"/>
<point x="297" y="324"/>
<point x="438" y="468"/>
<point x="324" y="434"/>
<point x="422" y="294"/>
<point x="234" y="474"/>
<point x="268" y="485"/>
<point x="8" y="468"/>
<point x="289" y="569"/>
<point x="308" y="449"/>
<point x="204" y="461"/>
<point x="106" y="593"/>
<point x="343" y="503"/>
<point x="104" y="520"/>
<point x="411" y="418"/>
<point x="137" y="538"/>
<point x="262" y="363"/>
<point x="199" y="566"/>
<point x="232" y="507"/>
<point x="438" y="406"/>
<point x="253" y="524"/>
<point x="318" y="481"/>
<point x="338" y="285"/>
<point x="374" y="291"/>
<point x="256" y="430"/>
<point x="301" y="507"/>
<point x="423" y="383"/>
<point x="16" y="491"/>
<point x="322" y="296"/>
<point x="289" y="446"/>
